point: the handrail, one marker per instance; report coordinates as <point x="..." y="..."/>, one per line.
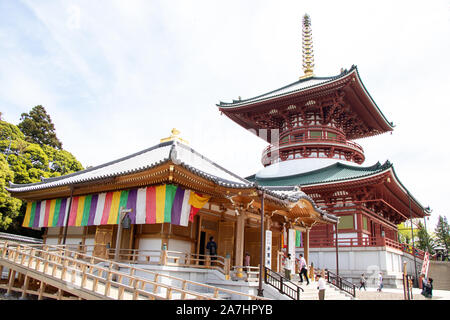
<point x="341" y="283"/>
<point x="282" y="284"/>
<point x="164" y="257"/>
<point x="66" y="259"/>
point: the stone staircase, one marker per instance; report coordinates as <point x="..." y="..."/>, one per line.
<point x="440" y="273"/>
<point x="310" y="291"/>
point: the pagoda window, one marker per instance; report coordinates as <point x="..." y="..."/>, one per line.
<point x="297" y="137"/>
<point x="346" y="222"/>
<point x="315" y="134"/>
<point x="284" y="140"/>
<point x="365" y="227"/>
<point x="331" y="135"/>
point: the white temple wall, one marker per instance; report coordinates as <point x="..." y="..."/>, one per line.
<point x="368" y="260"/>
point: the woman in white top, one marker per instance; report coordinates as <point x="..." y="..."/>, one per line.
<point x="288" y="267"/>
<point x="321" y="287"/>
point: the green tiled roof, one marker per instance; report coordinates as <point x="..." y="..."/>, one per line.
<point x="333" y="173"/>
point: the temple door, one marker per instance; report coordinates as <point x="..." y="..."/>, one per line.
<point x="253" y="245"/>
<point x="225" y="244"/>
<point x="103" y="236"/>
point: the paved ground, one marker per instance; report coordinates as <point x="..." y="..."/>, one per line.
<point x="397" y="294"/>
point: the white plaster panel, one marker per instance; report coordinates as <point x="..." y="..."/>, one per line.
<point x="179" y="245"/>
<point x="150" y="244"/>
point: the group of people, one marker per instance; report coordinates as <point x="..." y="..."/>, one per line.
<point x="363" y="281"/>
<point x="303" y="272"/>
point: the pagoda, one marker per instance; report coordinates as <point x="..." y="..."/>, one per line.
<point x="311" y="126"/>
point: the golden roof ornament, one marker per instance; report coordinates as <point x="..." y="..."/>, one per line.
<point x="307" y="48"/>
<point x="174" y="137"/>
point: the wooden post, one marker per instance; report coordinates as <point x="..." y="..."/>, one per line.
<point x="25" y="287"/>
<point x="239" y="242"/>
<point x="261" y="263"/>
<point x="12" y="278"/>
<point x="306" y="246"/>
<point x="405" y="285"/>
<point x="227" y="268"/>
<point x="41" y="290"/>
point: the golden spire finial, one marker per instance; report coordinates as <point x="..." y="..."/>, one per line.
<point x="307" y="46"/>
<point x="174" y="136"/>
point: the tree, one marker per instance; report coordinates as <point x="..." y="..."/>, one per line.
<point x="425" y="241"/>
<point x="26" y="162"/>
<point x="38" y="128"/>
<point x="9" y="206"/>
<point x="442" y="232"/>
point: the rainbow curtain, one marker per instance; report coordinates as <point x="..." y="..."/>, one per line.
<point x="150" y="205"/>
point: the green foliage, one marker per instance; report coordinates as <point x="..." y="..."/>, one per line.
<point x="26" y="157"/>
<point x="38" y="128"/>
<point x="442" y="232"/>
<point x="9" y="206"/>
<point x="425" y="241"/>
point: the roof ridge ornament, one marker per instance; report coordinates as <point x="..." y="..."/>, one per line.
<point x="307" y="48"/>
<point x="174" y="137"/>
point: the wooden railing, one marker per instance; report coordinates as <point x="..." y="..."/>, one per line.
<point x="282" y="284"/>
<point x="105" y="278"/>
<point x="251" y="273"/>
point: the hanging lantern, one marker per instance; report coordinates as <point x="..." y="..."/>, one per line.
<point x="126" y="222"/>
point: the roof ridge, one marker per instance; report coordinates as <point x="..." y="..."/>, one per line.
<point x="209" y="161"/>
<point x="330" y="78"/>
<point x="46" y="180"/>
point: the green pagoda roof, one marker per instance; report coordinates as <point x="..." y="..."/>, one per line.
<point x="333" y="173"/>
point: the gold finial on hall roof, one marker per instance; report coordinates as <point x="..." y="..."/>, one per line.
<point x="174" y="136"/>
<point x="307" y="48"/>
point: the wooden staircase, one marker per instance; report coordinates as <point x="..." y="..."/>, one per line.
<point x="58" y="273"/>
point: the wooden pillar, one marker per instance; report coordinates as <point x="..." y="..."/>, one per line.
<point x="41" y="290"/>
<point x="25" y="287"/>
<point x="12" y="277"/>
<point x="359" y="227"/>
<point x="239" y="239"/>
<point x="306" y="246"/>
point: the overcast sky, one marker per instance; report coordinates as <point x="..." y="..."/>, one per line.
<point x="117" y="76"/>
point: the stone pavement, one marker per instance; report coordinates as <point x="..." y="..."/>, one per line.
<point x="397" y="294"/>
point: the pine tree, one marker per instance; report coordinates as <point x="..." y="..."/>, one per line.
<point x="442" y="232"/>
<point x="425" y="240"/>
<point x="38" y="128"/>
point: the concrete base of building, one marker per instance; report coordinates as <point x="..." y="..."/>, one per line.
<point x="370" y="261"/>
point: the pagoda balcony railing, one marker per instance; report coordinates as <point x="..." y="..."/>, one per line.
<point x="365" y="242"/>
<point x="302" y="141"/>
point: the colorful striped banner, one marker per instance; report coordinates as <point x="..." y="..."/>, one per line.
<point x="158" y="204"/>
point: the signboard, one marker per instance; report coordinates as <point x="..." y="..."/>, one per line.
<point x="426" y="263"/>
<point x="268" y="250"/>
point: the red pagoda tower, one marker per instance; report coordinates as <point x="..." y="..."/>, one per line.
<point x="311" y="125"/>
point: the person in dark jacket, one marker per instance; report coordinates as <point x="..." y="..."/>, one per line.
<point x="211" y="246"/>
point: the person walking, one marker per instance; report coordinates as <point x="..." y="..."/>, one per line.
<point x="321" y="287"/>
<point x="288" y="267"/>
<point x="380" y="282"/>
<point x="362" y="282"/>
<point x="302" y="269"/>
